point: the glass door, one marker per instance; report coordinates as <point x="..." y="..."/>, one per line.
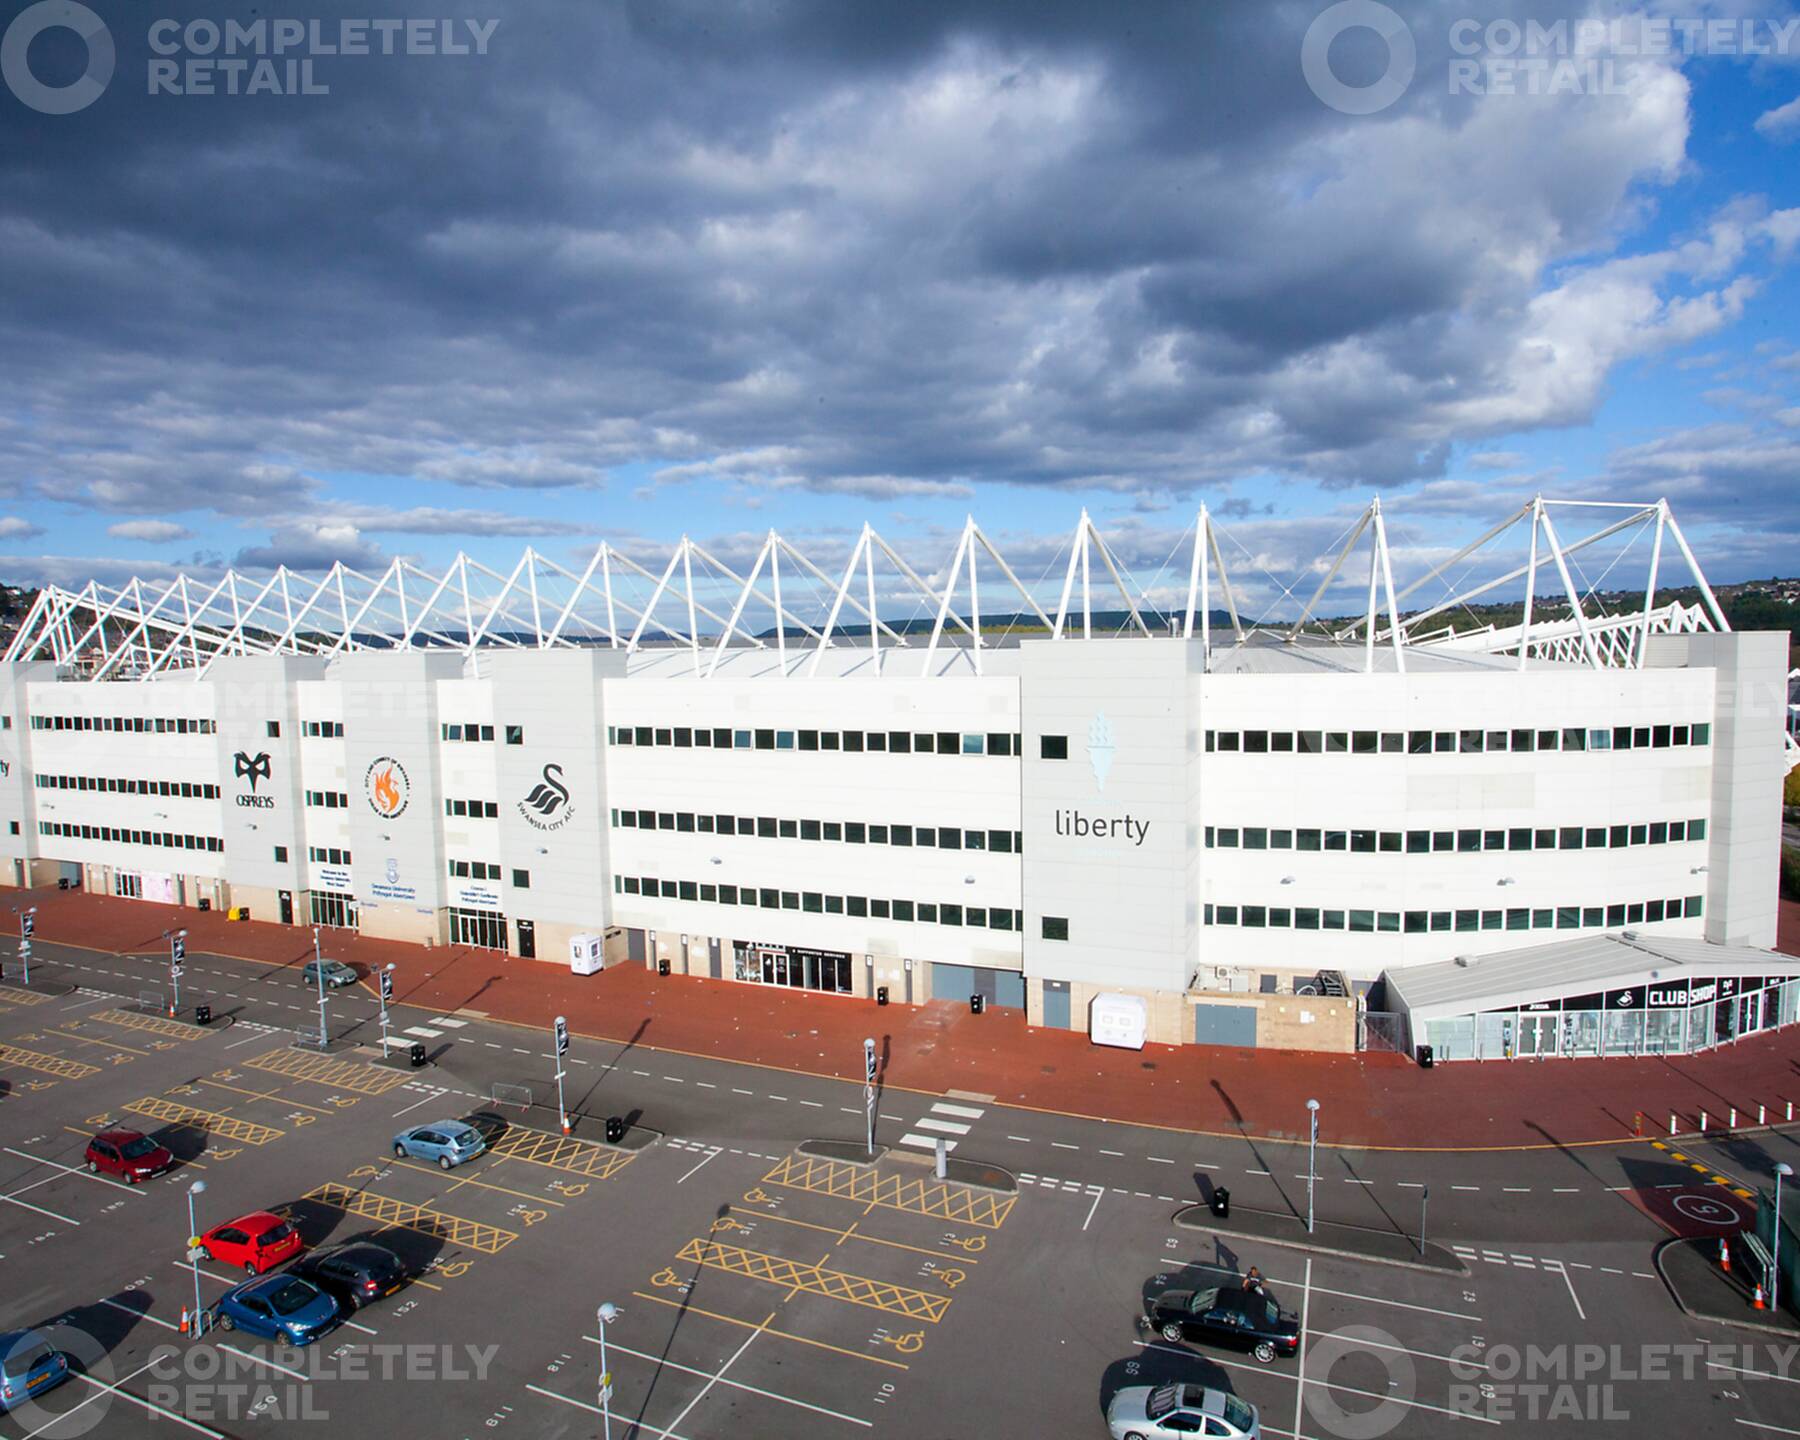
<point x="1537" y="1034"/>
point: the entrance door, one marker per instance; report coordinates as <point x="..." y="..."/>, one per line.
<point x="527" y="940"/>
<point x="1537" y="1035"/>
<point x="287" y="907"/>
<point x="715" y="961"/>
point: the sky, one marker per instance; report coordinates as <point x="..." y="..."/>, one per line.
<point x="633" y="271"/>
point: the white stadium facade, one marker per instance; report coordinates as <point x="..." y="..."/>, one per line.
<point x="761" y="776"/>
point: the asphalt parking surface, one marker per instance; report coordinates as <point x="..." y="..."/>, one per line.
<point x="760" y="1292"/>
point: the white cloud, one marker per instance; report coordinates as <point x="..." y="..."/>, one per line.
<point x="153" y="531"/>
<point x="14" y="527"/>
<point x="1781" y="124"/>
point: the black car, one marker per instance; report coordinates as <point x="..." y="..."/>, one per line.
<point x="1243" y="1319"/>
<point x="354" y="1274"/>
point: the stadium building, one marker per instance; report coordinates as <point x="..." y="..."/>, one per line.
<point x="1244" y="829"/>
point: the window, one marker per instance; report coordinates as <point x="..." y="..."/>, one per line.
<point x="274" y="728"/>
<point x="1056" y="927"/>
<point x="515" y="734"/>
<point x="1053" y="747"/>
<point x="521" y="879"/>
<point x="281" y="851"/>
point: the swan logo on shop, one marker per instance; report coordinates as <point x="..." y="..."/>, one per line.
<point x="15" y="57"/>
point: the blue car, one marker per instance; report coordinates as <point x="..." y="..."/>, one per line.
<point x="279" y="1307"/>
<point x="449" y="1142"/>
<point x="29" y="1365"/>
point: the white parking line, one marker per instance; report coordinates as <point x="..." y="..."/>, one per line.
<point x="1777" y="1429"/>
<point x="1563" y="1271"/>
<point x="115" y="1389"/>
<point x="26" y="1205"/>
<point x="414" y="1106"/>
<point x="712" y="1155"/>
<point x="638" y="1425"/>
<point x="258" y="1360"/>
<point x="1300" y="1378"/>
<point x="1091" y="1209"/>
<point x="140" y="1314"/>
<point x="76" y="1170"/>
<point x="688" y="1408"/>
<point x="666" y="1364"/>
<point x="247" y="1040"/>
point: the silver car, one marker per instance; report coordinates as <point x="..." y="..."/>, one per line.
<point x="1165" y="1412"/>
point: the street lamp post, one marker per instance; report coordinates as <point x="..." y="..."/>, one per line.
<point x="319" y="973"/>
<point x="177" y="954"/>
<point x="27" y="924"/>
<point x="607" y="1313"/>
<point x="869" y="1092"/>
<point x="197" y="1188"/>
<point x="1312" y="1150"/>
<point x="386" y="990"/>
<point x="562" y="1049"/>
<point x="1782" y="1171"/>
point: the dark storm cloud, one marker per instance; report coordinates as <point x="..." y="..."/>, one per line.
<point x="903" y="248"/>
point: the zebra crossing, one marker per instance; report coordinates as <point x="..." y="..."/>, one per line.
<point x="947" y="1122"/>
<point x="426" y="1032"/>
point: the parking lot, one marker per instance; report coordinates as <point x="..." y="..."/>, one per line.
<point x="759" y="1290"/>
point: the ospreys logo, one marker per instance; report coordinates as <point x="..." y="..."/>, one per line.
<point x="547" y="806"/>
<point x="253" y="768"/>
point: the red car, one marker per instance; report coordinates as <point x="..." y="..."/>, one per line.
<point x="258" y="1242"/>
<point x="128" y="1154"/>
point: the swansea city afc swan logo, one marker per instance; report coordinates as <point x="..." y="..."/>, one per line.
<point x="547" y="806"/>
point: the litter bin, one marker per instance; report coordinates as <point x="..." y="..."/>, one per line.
<point x="881" y="995"/>
<point x="977" y="1003"/>
<point x="416" y="1053"/>
<point x="615" y="1129"/>
<point x="662" y="967"/>
<point x="206" y="902"/>
<point x="1220" y="1203"/>
<point x="62" y="882"/>
<point x="203" y="1014"/>
<point x="1425" y="1057"/>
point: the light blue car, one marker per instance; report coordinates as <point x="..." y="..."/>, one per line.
<point x="449" y="1142"/>
<point x="29" y="1365"/>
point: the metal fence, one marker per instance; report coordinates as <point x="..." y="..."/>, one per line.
<point x="151" y="1000"/>
<point x="516" y="1095"/>
<point x="1384" y="1030"/>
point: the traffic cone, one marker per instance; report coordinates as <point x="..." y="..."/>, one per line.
<point x="1724" y="1256"/>
<point x="1757" y="1302"/>
<point x="184" y="1320"/>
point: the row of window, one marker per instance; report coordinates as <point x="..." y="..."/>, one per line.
<point x="474" y="809"/>
<point x="123" y="724"/>
<point x="1420" y="922"/>
<point x="328" y="799"/>
<point x="849" y="832"/>
<point x="1455" y="742"/>
<point x="322" y="729"/>
<point x="515" y="734"/>
<point x="327" y="855"/>
<point x="130" y="837"/>
<point x="484" y="870"/>
<point x="1426" y="842"/>
<point x="813" y="902"/>
<point x="117" y="785"/>
<point x="892" y="742"/>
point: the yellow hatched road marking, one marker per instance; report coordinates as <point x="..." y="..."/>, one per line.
<point x="323" y="1070"/>
<point x="13" y="996"/>
<point x="850" y="1232"/>
<point x="210" y="1121"/>
<point x="578" y="1157"/>
<point x="488" y="1239"/>
<point x="48" y="1064"/>
<point x="893" y="1192"/>
<point x="155" y="1024"/>
<point x="817" y="1280"/>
